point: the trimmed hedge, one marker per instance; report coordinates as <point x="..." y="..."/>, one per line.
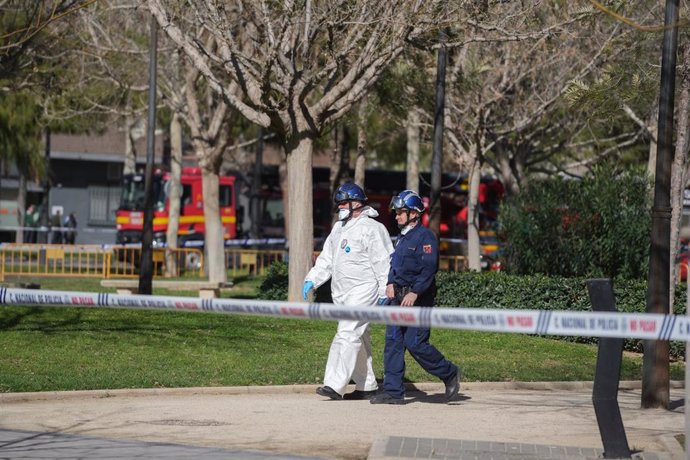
<point x="538" y="292"/>
<point x="504" y="291"/>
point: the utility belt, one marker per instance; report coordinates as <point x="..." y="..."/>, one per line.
<point x="425" y="298"/>
<point x="401" y="291"/>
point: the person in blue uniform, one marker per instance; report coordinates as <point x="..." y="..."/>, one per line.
<point x="412" y="282"/>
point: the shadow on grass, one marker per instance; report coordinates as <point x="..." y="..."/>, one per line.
<point x="15" y="317"/>
<point x="172" y="327"/>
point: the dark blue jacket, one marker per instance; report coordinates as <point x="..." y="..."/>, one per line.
<point x="415" y="260"/>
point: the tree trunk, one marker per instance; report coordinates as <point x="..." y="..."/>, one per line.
<point x="174" y="195"/>
<point x="361" y="160"/>
<point x="412" y="128"/>
<point x="344" y="170"/>
<point x="654" y="131"/>
<point x="283" y="179"/>
<point x="44" y="215"/>
<point x="300" y="219"/>
<point x="213" y="235"/>
<point x="130" y="164"/>
<point x="473" y="243"/>
<point x="679" y="168"/>
<point x="255" y="203"/>
<point x="21" y="207"/>
<point x="340" y="161"/>
<point x="340" y="157"/>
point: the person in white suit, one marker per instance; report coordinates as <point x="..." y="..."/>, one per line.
<point x="356" y="258"/>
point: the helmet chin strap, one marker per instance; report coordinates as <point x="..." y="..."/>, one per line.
<point x="409" y="221"/>
<point x="349" y="214"/>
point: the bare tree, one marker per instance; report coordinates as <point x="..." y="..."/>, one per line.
<point x="210" y="138"/>
<point x="308" y="63"/>
<point x="112" y="48"/>
<point x="506" y="100"/>
<point x="116" y="37"/>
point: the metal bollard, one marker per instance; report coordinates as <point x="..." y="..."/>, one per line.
<point x="607" y="377"/>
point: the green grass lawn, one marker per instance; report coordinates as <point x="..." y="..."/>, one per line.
<point x="44" y="349"/>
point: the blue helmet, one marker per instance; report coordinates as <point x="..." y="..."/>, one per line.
<point x="409" y="200"/>
<point x="349" y="192"/>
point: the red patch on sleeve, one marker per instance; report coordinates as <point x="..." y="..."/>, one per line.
<point x="427" y="249"/>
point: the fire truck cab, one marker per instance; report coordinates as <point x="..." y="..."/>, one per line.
<point x="130" y="213"/>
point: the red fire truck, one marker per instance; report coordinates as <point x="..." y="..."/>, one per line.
<point x="130" y="214"/>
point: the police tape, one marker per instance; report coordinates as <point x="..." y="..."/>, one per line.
<point x="541" y="322"/>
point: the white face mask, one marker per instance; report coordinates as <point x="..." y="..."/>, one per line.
<point x="343" y="214"/>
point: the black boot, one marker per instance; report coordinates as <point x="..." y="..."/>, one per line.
<point x="360" y="394"/>
<point x="328" y="392"/>
<point x="452" y="386"/>
<point x="385" y="398"/>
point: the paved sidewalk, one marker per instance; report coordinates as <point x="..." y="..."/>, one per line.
<point x="499" y="421"/>
<point x="34" y="445"/>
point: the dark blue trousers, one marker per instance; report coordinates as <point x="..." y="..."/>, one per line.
<point x="416" y="341"/>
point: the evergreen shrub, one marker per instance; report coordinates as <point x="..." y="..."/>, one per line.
<point x="598" y="226"/>
<point x="275" y="285"/>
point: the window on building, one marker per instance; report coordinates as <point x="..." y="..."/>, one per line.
<point x="103" y="204"/>
<point x="114" y="172"/>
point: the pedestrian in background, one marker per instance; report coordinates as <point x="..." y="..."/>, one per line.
<point x="356" y="258"/>
<point x="56" y="227"/>
<point x="30" y="224"/>
<point x="412" y="282"/>
<point x="70" y="225"/>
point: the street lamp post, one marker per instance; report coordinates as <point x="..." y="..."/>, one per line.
<point x="146" y="262"/>
<point x="655" y="369"/>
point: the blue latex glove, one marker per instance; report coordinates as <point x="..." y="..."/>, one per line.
<point x="382" y="301"/>
<point x="308" y="286"/>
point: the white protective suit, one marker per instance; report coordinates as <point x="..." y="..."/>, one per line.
<point x="356" y="256"/>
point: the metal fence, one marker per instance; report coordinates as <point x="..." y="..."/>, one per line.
<point x="123" y="261"/>
<point x="53" y="260"/>
<point x="90" y="261"/>
<point x="253" y="261"/>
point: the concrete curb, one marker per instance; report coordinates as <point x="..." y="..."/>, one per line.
<point x="292" y="389"/>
